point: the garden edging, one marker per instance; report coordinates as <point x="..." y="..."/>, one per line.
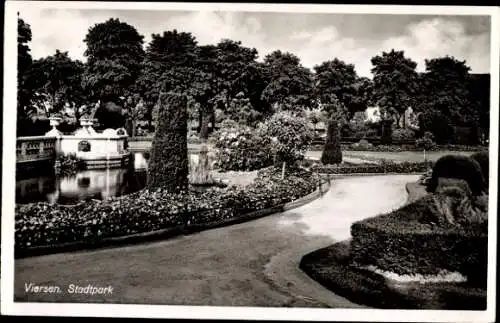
<point x="170" y="232"/>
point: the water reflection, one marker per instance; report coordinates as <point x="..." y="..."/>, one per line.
<point x="87" y="184"/>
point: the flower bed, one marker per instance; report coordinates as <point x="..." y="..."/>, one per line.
<point x="383" y="167"/>
<point x="42" y="224"/>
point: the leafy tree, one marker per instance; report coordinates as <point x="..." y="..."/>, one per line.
<point x="24" y="61"/>
<point x="395" y="82"/>
<point x="335" y="79"/>
<point x="241" y="110"/>
<point x="233" y="68"/>
<point x="479" y="89"/>
<point x="114" y="60"/>
<point x="135" y="110"/>
<point x="335" y="109"/>
<point x="362" y="99"/>
<point x="332" y="153"/>
<point x="446" y="84"/>
<point x="204" y="86"/>
<point x="290" y="85"/>
<point x="167" y="57"/>
<point x="56" y="80"/>
<point x="168" y="166"/>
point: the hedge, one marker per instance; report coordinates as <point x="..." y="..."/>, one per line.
<point x="42" y="224"/>
<point x="408" y="241"/>
<point x="385" y="167"/>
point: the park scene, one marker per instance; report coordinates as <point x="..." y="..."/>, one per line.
<point x="185" y="173"/>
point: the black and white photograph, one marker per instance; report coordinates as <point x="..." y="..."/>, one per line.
<point x="250" y="161"/>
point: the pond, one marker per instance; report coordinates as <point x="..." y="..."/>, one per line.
<point x="45" y="186"/>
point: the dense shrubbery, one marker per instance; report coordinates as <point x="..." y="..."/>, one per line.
<point x="290" y="136"/>
<point x="413" y="240"/>
<point x="67" y="164"/>
<point x="402" y="134"/>
<point x="383" y="167"/>
<point x="459" y="167"/>
<point x="42" y="224"/>
<point x="283" y="136"/>
<point x="426" y="142"/>
<point x="241" y="148"/>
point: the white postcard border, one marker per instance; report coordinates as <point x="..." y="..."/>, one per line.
<point x="8" y="306"/>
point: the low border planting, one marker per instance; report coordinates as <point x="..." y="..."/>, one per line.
<point x="42" y="226"/>
<point x="382" y="168"/>
<point x="405" y="147"/>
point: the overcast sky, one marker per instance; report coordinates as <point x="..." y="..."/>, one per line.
<point x="354" y="38"/>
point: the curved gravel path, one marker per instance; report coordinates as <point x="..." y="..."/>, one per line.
<point x="249" y="264"/>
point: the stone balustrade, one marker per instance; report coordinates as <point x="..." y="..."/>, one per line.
<point x="32" y="149"/>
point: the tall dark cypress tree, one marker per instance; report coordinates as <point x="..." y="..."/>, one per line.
<point x="168" y="167"/>
<point x="332" y="153"/>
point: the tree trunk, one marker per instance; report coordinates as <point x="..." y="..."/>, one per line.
<point x="212" y="120"/>
<point x="134" y="125"/>
<point x="205" y="120"/>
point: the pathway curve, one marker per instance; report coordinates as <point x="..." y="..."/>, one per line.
<point x="249" y="264"/>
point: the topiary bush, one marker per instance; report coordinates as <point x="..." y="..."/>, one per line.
<point x="168" y="166"/>
<point x="459" y="167"/>
<point x="483" y="158"/>
<point x="411" y="240"/>
<point x="332" y="153"/>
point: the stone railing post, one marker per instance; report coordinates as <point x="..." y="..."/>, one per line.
<point x="23" y="149"/>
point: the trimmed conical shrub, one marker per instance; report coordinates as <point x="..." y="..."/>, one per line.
<point x="168" y="165"/>
<point x="332" y="153"/>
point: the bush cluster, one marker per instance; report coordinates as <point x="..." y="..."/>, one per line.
<point x="67" y="164"/>
<point x="282" y="138"/>
<point x="426" y="142"/>
<point x="43" y="224"/>
<point x="383" y="167"/>
<point x="402" y="134"/>
<point x="241" y="148"/>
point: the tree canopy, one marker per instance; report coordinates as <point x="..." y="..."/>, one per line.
<point x="114" y="60"/>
